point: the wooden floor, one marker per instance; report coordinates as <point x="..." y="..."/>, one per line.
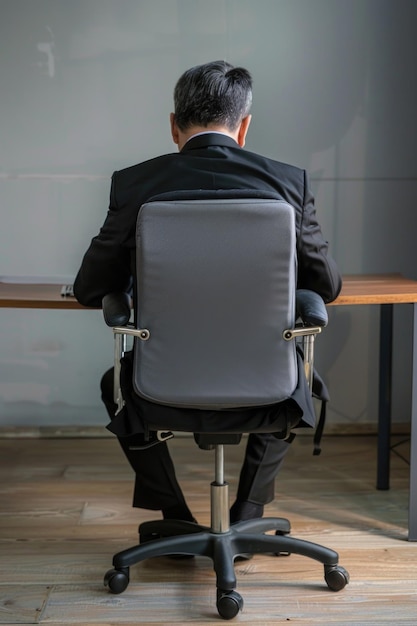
<point x="65" y="510"/>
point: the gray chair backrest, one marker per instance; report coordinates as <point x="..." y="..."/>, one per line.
<point x="216" y="286"/>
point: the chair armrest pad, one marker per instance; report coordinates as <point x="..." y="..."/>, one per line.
<point x="311" y="308"/>
<point x="116" y="308"/>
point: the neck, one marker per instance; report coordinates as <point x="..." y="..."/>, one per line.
<point x="184" y="136"/>
<point x="180" y="137"/>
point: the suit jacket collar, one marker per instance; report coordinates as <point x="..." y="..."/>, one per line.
<point x="209" y="139"/>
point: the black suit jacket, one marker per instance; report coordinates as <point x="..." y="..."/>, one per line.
<point x="209" y="161"/>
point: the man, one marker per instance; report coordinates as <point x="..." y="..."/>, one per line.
<point x="209" y="126"/>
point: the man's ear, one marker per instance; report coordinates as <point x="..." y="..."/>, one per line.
<point x="174" y="128"/>
<point x="243" y="129"/>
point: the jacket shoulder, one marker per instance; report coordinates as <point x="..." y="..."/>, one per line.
<point x="149" y="164"/>
<point x="274" y="164"/>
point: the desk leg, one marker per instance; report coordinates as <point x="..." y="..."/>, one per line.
<point x="412" y="505"/>
<point x="385" y="394"/>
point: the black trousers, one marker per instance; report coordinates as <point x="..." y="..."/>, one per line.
<point x="156" y="485"/>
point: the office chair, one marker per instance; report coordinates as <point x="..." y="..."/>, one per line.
<point x="214" y="333"/>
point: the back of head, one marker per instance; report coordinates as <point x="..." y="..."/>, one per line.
<point x="215" y="93"/>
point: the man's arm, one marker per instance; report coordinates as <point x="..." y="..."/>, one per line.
<point x="317" y="270"/>
<point x="106" y="264"/>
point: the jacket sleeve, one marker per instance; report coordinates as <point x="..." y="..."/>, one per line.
<point x="105" y="266"/>
<point x="317" y="270"/>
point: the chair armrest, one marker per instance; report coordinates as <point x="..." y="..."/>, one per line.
<point x="116" y="308"/>
<point x="311" y="308"/>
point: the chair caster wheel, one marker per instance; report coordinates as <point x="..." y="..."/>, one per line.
<point x="336" y="577"/>
<point x="116" y="580"/>
<point x="229" y="603"/>
<point x="282" y="533"/>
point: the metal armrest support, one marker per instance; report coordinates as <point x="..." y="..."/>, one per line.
<point x="120" y="345"/>
<point x="313" y="313"/>
<point x="116" y="312"/>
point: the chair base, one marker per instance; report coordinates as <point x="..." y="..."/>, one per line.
<point x="176" y="537"/>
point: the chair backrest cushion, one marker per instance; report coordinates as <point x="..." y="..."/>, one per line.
<point x="216" y="285"/>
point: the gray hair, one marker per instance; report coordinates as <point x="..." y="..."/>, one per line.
<point x="213" y="93"/>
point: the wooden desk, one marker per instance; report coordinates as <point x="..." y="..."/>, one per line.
<point x="357" y="289"/>
<point x="384" y="290"/>
<point x="28" y="296"/>
<point x="376" y="289"/>
<point x="387" y="290"/>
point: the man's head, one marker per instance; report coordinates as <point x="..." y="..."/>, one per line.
<point x="213" y="96"/>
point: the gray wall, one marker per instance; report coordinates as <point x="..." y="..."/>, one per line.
<point x="86" y="88"/>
